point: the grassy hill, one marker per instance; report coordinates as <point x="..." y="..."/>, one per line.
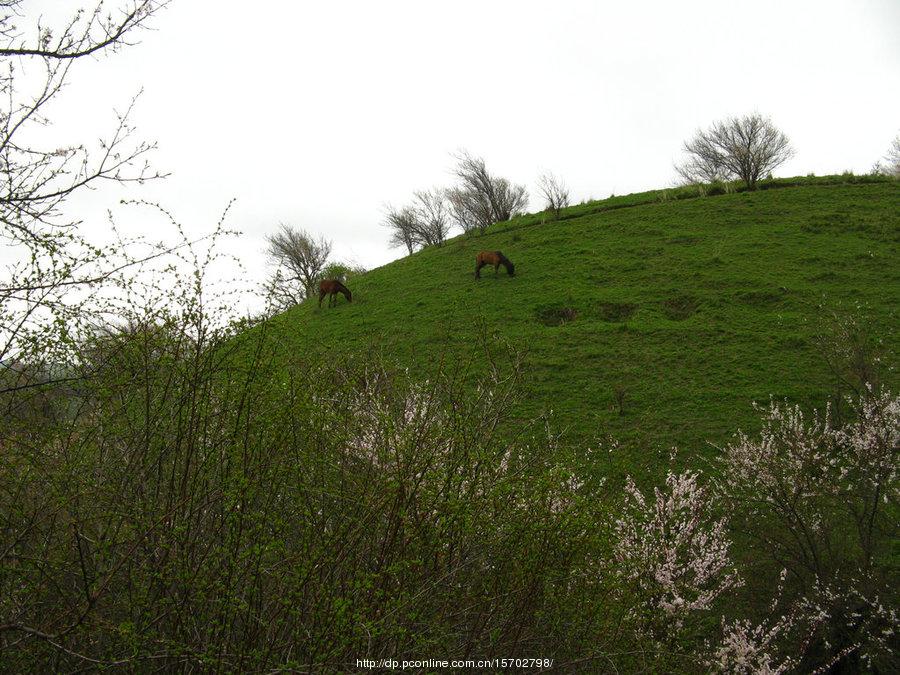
<point x="202" y="500"/>
<point x="684" y="310"/>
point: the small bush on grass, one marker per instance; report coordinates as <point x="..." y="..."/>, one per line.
<point x="555" y="316"/>
<point x="615" y="311"/>
<point x="680" y="307"/>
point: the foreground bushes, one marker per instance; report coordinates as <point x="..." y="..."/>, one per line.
<point x="200" y="501"/>
<point x="186" y="513"/>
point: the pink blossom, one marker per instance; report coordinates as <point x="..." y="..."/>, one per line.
<point x="672" y="549"/>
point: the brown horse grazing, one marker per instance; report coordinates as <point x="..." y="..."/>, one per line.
<point x="494" y="258"/>
<point x="332" y="287"/>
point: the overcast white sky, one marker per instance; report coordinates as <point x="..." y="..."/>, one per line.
<point x="318" y="113"/>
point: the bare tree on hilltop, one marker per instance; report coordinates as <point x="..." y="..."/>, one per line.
<point x="432" y="216"/>
<point x="555" y="193"/>
<point x="402" y="223"/>
<point x="746" y="148"/>
<point x="299" y="260"/>
<point x="481" y="199"/>
<point x="425" y="222"/>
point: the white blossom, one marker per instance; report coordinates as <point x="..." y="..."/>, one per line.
<point x="672" y="548"/>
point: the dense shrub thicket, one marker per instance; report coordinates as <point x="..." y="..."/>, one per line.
<point x="191" y="505"/>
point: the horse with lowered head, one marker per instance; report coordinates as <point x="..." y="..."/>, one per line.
<point x="494" y="258"/>
<point x="332" y="287"/>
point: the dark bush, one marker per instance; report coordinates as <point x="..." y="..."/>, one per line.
<point x="615" y="311"/>
<point x="762" y="298"/>
<point x="679" y="307"/>
<point x="555" y="316"/>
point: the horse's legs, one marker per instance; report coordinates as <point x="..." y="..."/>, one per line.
<point x="478" y="266"/>
<point x="321" y="295"/>
<point x="496" y="267"/>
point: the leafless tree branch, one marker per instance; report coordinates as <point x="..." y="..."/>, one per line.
<point x="402" y="224"/>
<point x="554" y="192"/>
<point x="890" y="163"/>
<point x="85" y="32"/>
<point x="299" y="257"/>
<point x="432" y="216"/>
<point x="746" y="148"/>
<point x="480" y="199"/>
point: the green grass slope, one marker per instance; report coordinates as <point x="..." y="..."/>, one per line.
<point x="690" y="309"/>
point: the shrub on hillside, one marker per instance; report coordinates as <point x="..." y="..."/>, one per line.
<point x="816" y="501"/>
<point x="342" y="271"/>
<point x="674" y="552"/>
<point x="822" y="502"/>
<point x="889" y="165"/>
